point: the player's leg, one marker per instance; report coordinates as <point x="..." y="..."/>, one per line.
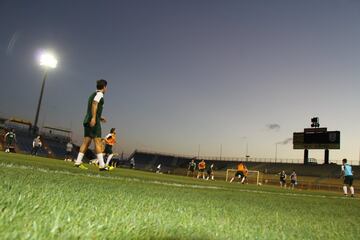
<point x="233" y="178"/>
<point x="243" y="180"/>
<point x="99" y="152"/>
<point x="346" y="182"/>
<point x="109" y="152"/>
<point x="352" y="191"/>
<point x="84" y="146"/>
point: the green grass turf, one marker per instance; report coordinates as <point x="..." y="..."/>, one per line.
<point x="49" y="199"/>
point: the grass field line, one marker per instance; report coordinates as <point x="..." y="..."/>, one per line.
<point x="131" y="179"/>
<point x="127" y="179"/>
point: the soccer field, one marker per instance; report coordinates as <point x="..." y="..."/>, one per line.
<point x="49" y="199"/>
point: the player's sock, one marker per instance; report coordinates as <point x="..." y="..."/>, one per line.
<point x="79" y="158"/>
<point x="212" y="177"/>
<point x="109" y="159"/>
<point x="100" y="158"/>
<point x="345" y="190"/>
<point x="352" y="190"/>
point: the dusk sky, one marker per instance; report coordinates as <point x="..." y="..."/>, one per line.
<point x="189" y="72"/>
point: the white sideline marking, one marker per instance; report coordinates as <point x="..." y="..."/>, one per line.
<point x="128" y="179"/>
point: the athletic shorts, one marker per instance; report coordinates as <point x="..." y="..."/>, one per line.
<point x="293" y="182"/>
<point x="92" y="132"/>
<point x="201" y="170"/>
<point x="209" y="172"/>
<point x="192" y="169"/>
<point x="239" y="174"/>
<point x="348" y="180"/>
<point x="108" y="149"/>
<point x="282" y="180"/>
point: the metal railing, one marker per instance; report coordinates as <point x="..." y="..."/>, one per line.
<point x="246" y="159"/>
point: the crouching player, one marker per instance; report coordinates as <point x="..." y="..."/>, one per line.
<point x="241" y="173"/>
<point x="347" y="173"/>
<point x="110" y="140"/>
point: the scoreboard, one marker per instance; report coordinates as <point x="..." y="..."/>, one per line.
<point x="316" y="138"/>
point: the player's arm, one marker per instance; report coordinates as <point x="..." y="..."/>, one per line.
<point x="5" y="136"/>
<point x="342" y="173"/>
<point x="94" y="107"/>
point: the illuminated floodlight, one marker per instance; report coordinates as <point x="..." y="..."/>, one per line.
<point x="48" y="60"/>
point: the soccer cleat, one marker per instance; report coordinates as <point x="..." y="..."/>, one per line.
<point x="81" y="166"/>
<point x="106" y="168"/>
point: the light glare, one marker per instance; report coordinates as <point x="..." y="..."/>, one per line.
<point x="48" y="60"/>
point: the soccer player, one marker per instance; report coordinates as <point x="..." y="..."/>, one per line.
<point x="210" y="172"/>
<point x="10" y="140"/>
<point x="293" y="179"/>
<point x="69" y="148"/>
<point x="110" y="140"/>
<point x="347" y="173"/>
<point x="37" y="144"/>
<point x="92" y="126"/>
<point x="158" y="168"/>
<point x="191" y="168"/>
<point x="201" y="167"/>
<point x="282" y="179"/>
<point x="240" y="173"/>
<point x="132" y="163"/>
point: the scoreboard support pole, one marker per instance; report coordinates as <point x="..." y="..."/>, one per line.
<point x="326" y="158"/>
<point x="306" y="156"/>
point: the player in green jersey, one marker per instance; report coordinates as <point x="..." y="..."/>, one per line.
<point x="92" y="126"/>
<point x="10" y="140"/>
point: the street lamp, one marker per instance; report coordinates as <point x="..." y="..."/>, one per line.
<point x="48" y="61"/>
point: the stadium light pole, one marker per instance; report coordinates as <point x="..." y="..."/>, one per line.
<point x="198" y="154"/>
<point x="48" y="61"/>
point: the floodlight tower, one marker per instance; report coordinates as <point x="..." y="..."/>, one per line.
<point x="48" y="61"/>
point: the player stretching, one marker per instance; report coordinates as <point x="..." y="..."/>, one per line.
<point x="110" y="140"/>
<point x="92" y="126"/>
<point x="347" y="173"/>
<point x="201" y="166"/>
<point x="240" y="173"/>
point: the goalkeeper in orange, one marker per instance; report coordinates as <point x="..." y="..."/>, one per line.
<point x="201" y="166"/>
<point x="241" y="173"/>
<point x="110" y="141"/>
